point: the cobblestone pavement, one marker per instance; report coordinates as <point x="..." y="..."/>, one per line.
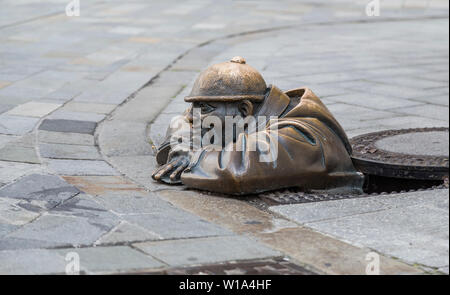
<point x="82" y="100"/>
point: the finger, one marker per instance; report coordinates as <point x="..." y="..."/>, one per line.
<point x="175" y="174"/>
<point x="164" y="170"/>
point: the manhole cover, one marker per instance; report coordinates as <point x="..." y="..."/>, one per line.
<point x="420" y="153"/>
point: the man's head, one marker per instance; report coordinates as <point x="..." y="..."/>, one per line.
<point x="228" y="89"/>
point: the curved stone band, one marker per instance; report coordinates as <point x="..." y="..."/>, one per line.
<point x="222" y="98"/>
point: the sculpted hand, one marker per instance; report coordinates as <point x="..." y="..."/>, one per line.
<point x="171" y="172"/>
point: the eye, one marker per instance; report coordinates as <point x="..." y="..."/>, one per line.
<point x="206" y="108"/>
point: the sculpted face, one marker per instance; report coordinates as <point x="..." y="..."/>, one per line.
<point x="213" y="111"/>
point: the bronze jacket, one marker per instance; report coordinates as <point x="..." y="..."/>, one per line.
<point x="312" y="152"/>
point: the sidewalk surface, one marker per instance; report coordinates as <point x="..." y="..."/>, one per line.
<point x="84" y="98"/>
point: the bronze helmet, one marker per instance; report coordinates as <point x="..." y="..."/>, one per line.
<point x="228" y="81"/>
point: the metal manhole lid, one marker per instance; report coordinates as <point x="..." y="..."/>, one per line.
<point x="419" y="153"/>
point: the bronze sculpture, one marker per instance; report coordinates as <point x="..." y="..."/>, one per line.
<point x="296" y="141"/>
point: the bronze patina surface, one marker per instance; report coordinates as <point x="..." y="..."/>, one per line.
<point x="308" y="149"/>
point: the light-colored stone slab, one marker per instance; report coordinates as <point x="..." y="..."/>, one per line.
<point x="65" y="138"/>
<point x="16" y="125"/>
<point x="68" y="151"/>
<point x="34" y="109"/>
<point x="118" y="259"/>
<point x="31" y="262"/>
<point x="125" y="233"/>
<point x="81" y="167"/>
<point x="206" y="250"/>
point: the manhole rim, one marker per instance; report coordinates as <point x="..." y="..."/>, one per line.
<point x="370" y="159"/>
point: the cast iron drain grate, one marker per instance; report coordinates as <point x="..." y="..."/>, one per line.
<point x="420" y="153"/>
<point x="276" y="266"/>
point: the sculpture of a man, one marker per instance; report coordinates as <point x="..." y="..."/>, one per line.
<point x="294" y="141"/>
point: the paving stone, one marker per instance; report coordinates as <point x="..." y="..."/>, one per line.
<point x="63" y="230"/>
<point x="416" y="234"/>
<point x="206" y="250"/>
<point x="72" y="126"/>
<point x="430" y="111"/>
<point x="34" y="109"/>
<point x="5" y="107"/>
<point x="13" y="214"/>
<point x="134" y="203"/>
<point x="67" y="151"/>
<point x="31" y="262"/>
<point x="180" y="224"/>
<point x="6" y="228"/>
<point x="66" y="138"/>
<point x="124" y="138"/>
<point x="329" y="255"/>
<point x="98" y="108"/>
<point x="85" y="206"/>
<point x="4" y="139"/>
<point x="103" y="260"/>
<point x="81" y="167"/>
<point x="45" y="191"/>
<point x="15" y="153"/>
<point x="312" y="212"/>
<point x="10" y="171"/>
<point x="63" y="114"/>
<point x="125" y="233"/>
<point x="138" y="167"/>
<point x="100" y="185"/>
<point x="373" y="101"/>
<point x="16" y="125"/>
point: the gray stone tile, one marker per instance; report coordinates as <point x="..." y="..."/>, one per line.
<point x="72" y="126"/>
<point x="31" y="262"/>
<point x="124" y="138"/>
<point x="63" y="230"/>
<point x="16" y="125"/>
<point x="98" y="108"/>
<point x="429" y="111"/>
<point x="83" y="205"/>
<point x="313" y="212"/>
<point x="10" y="171"/>
<point x="66" y="138"/>
<point x="12" y="213"/>
<point x="175" y="223"/>
<point x="6" y="228"/>
<point x="67" y="151"/>
<point x="16" y="153"/>
<point x="125" y="233"/>
<point x="63" y="114"/>
<point x="5" y="107"/>
<point x="34" y="109"/>
<point x="134" y="203"/>
<point x="416" y="234"/>
<point x="81" y="167"/>
<point x="117" y="259"/>
<point x="206" y="250"/>
<point x="4" y="139"/>
<point x="45" y="191"/>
